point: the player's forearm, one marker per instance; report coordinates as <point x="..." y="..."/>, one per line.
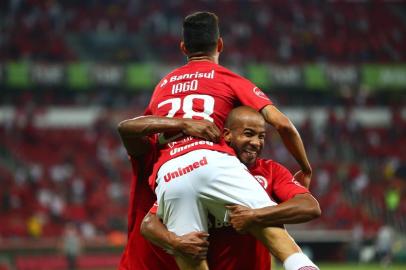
<point x="133" y="132"/>
<point x="155" y="231"/>
<point x="147" y="125"/>
<point x="299" y="209"/>
<point x="289" y="134"/>
<point x="293" y="142"/>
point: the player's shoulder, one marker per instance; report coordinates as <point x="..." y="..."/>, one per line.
<point x="273" y="165"/>
<point x="229" y="72"/>
<point x="265" y="162"/>
<point x="262" y="166"/>
<point x="235" y="80"/>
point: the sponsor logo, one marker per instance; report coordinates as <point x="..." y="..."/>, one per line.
<point x="262" y="180"/>
<point x="259" y="93"/>
<point x="185" y="170"/>
<point x="184" y="140"/>
<point x="196" y="75"/>
<point x="217" y="223"/>
<point x="164" y="83"/>
<point x="183" y="148"/>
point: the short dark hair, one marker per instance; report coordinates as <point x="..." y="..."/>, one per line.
<point x="201" y="32"/>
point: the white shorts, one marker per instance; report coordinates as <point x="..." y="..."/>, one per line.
<point x="203" y="181"/>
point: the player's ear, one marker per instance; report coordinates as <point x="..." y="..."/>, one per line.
<point x="227" y="135"/>
<point x="183" y="48"/>
<point x="220" y="45"/>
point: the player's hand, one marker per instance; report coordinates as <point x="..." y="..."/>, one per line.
<point x="202" y="129"/>
<point x="241" y="217"/>
<point x="303" y="178"/>
<point x="193" y="245"/>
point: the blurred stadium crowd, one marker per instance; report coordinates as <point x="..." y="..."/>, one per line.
<point x="53" y="175"/>
<point x="126" y="30"/>
<point x="50" y="176"/>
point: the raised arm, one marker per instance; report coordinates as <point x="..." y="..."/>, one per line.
<point x="290" y="137"/>
<point x="133" y="131"/>
<point x="301" y="208"/>
<point x="194" y="244"/>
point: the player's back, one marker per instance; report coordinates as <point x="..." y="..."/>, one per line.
<point x="198" y="90"/>
<point x="204" y="90"/>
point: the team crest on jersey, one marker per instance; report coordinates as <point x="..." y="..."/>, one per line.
<point x="164" y="83"/>
<point x="262" y="180"/>
<point x="259" y="93"/>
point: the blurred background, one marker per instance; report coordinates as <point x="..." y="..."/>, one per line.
<point x="71" y="70"/>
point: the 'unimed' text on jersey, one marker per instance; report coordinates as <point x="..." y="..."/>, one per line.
<point x="225" y="252"/>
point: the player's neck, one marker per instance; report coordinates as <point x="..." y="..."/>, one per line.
<point x="210" y="58"/>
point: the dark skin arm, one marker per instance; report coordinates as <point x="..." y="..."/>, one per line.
<point x="133" y="131"/>
<point x="193" y="245"/>
<point x="301" y="208"/>
<point x="290" y="137"/>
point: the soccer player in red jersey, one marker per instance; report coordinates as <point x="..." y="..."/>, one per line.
<point x="140" y="254"/>
<point x="246" y="137"/>
<point x="245" y="132"/>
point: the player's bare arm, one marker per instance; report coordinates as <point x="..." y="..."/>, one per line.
<point x="303" y="179"/>
<point x="290" y="137"/>
<point x="193" y="245"/>
<point x="133" y="131"/>
<point x="301" y="208"/>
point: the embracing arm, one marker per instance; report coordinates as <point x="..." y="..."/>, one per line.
<point x="301" y="208"/>
<point x="155" y="231"/>
<point x="133" y="131"/>
<point x="194" y="244"/>
<point x="290" y="136"/>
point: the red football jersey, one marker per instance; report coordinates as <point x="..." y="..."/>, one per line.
<point x="204" y="90"/>
<point x="277" y="180"/>
<point x="225" y="251"/>
<point x="201" y="90"/>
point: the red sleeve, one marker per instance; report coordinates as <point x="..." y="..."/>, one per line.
<point x="249" y="94"/>
<point x="149" y="159"/>
<point x="284" y="185"/>
<point x="154" y="208"/>
<point x="147" y="111"/>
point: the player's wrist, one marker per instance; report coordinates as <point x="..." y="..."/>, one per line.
<point x="257" y="216"/>
<point x="261" y="216"/>
<point x="173" y="242"/>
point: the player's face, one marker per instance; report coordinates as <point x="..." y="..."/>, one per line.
<point x="247" y="139"/>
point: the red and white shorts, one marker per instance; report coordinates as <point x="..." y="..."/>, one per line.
<point x="203" y="181"/>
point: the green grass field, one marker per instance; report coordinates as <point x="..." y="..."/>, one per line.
<point x="330" y="266"/>
<point x="353" y="267"/>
